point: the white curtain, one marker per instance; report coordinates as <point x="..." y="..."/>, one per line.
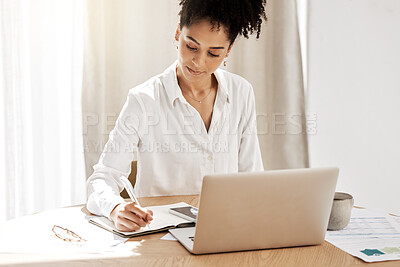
<point x="41" y="65"/>
<point x="130" y="41"/>
<point x="127" y="43"/>
<point x="273" y="64"/>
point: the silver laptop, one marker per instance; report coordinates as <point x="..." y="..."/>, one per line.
<point x="270" y="209"/>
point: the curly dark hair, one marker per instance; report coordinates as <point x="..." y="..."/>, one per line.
<point x="239" y="17"/>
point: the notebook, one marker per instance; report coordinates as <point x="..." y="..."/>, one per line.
<point x="162" y="221"/>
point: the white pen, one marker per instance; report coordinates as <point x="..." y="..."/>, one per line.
<point x="129" y="189"/>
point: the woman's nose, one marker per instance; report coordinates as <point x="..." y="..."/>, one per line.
<point x="198" y="60"/>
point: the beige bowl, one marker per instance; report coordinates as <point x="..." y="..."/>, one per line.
<point x="341" y="211"/>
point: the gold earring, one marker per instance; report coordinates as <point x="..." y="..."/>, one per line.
<point x="224" y="63"/>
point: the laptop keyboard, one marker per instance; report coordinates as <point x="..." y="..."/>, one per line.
<point x="191" y="238"/>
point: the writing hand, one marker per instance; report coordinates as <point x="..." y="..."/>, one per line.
<point x="129" y="217"/>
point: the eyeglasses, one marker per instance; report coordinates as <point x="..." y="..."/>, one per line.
<point x="66" y="235"/>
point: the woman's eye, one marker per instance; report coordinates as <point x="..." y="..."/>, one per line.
<point x="195" y="49"/>
<point x="191" y="48"/>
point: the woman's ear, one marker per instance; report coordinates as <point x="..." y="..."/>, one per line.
<point x="177" y="32"/>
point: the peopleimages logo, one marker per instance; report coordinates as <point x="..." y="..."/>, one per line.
<point x="267" y="124"/>
<point x="286" y="123"/>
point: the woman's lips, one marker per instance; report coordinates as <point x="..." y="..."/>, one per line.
<point x="194" y="72"/>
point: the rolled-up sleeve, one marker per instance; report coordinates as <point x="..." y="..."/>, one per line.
<point x="104" y="185"/>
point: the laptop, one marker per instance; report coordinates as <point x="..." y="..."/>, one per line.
<point x="261" y="210"/>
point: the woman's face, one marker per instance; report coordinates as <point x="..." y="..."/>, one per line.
<point x="201" y="50"/>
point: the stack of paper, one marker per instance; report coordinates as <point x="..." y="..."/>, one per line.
<point x="371" y="236"/>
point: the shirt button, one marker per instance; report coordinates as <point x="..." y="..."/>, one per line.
<point x="209" y="158"/>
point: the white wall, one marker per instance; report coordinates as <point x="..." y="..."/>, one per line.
<point x="354" y="88"/>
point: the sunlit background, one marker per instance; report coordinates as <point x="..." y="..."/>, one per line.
<point x="325" y="75"/>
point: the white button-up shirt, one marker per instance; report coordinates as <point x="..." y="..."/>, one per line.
<point x="167" y="136"/>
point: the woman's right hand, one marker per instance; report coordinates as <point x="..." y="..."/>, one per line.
<point x="128" y="217"/>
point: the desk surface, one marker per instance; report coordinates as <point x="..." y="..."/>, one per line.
<point x="151" y="251"/>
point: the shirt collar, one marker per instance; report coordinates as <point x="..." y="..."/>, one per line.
<point x="174" y="91"/>
<point x="171" y="84"/>
<point x="222" y="85"/>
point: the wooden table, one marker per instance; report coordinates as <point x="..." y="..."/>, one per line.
<point x="151" y="251"/>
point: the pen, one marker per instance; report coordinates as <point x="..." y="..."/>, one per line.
<point x="129" y="189"/>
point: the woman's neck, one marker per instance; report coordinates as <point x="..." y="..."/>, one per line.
<point x="199" y="87"/>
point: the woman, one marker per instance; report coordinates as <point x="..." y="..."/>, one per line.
<point x="194" y="119"/>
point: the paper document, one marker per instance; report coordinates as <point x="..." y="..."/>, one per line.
<point x="370" y="236"/>
<point x="35" y="234"/>
<point x="168" y="237"/>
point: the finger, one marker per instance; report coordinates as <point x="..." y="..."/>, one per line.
<point x="127" y="225"/>
<point x="133" y="207"/>
<point x="129" y="215"/>
<point x="149" y="215"/>
<point x="142" y="213"/>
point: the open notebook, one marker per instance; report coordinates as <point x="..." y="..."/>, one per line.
<point x="162" y="221"/>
